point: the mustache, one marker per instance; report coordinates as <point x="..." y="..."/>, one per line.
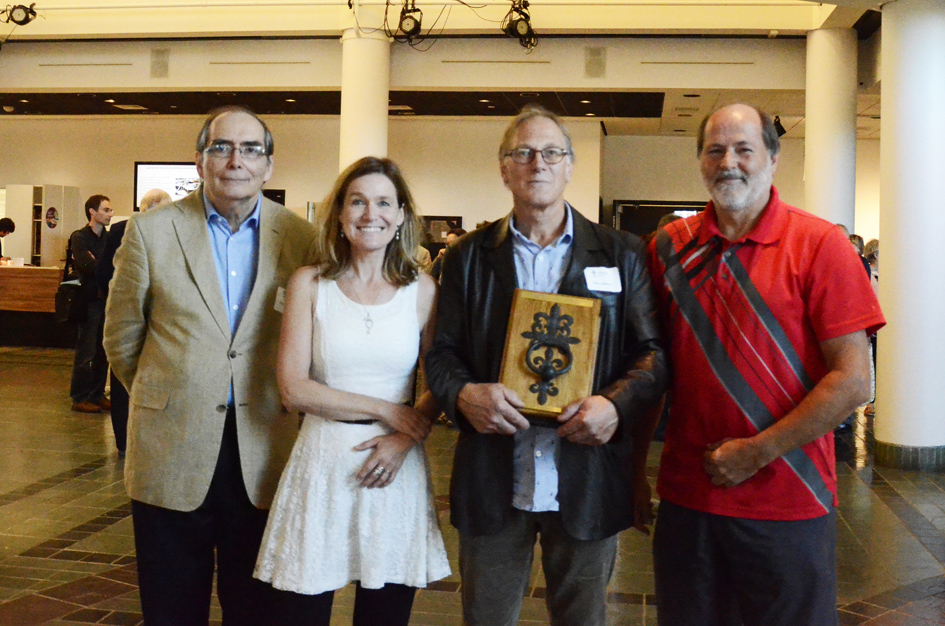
<point x="730" y="175"/>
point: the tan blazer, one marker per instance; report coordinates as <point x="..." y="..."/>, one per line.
<point x="168" y="340"/>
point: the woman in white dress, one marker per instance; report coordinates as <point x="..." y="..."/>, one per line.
<point x="354" y="502"/>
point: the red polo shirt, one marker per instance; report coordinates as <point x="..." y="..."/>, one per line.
<point x="744" y="321"/>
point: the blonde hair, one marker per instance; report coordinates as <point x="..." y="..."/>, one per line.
<point x="333" y="251"/>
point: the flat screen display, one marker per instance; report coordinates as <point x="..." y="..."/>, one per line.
<point x="178" y="179"/>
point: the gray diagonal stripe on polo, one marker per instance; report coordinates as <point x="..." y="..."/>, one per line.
<point x="767" y="318"/>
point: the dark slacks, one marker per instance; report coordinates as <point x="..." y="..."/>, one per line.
<point x="388" y="606"/>
<point x="119" y="412"/>
<point x="713" y="570"/>
<point x="90" y="367"/>
<point x="496" y="568"/>
<point x="175" y="552"/>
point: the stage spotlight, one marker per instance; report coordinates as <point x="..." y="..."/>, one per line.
<point x="410" y="17"/>
<point x="517" y="23"/>
<point x="20" y="14"/>
<point x="778" y="127"/>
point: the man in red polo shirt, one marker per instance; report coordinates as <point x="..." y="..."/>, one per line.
<point x="767" y="312"/>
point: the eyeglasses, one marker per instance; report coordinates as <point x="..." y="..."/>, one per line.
<point x="250" y="152"/>
<point x="524" y="156"/>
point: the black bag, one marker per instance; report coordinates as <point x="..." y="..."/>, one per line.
<point x="71" y="305"/>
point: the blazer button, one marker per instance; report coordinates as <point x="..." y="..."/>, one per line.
<point x="232" y="354"/>
<point x="221" y="408"/>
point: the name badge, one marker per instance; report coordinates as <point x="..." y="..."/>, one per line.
<point x="602" y="279"/>
<point x="280" y="300"/>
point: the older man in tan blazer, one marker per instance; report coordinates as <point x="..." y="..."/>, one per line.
<point x="192" y="327"/>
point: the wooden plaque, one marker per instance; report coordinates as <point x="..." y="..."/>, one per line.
<point x="550" y="331"/>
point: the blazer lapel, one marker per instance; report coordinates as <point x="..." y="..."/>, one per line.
<point x="270" y="248"/>
<point x="191" y="229"/>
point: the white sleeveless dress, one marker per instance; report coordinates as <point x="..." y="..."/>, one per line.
<point x="325" y="530"/>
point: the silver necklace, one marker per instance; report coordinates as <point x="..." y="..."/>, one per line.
<point x="368" y="322"/>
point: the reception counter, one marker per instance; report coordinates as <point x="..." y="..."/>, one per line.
<point x="29" y="289"/>
<point x="27" y="304"/>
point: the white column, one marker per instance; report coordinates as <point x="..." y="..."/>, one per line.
<point x="911" y="364"/>
<point x="830" y="125"/>
<point x="365" y="83"/>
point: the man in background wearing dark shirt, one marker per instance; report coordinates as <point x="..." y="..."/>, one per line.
<point x="90" y="368"/>
<point x="6" y="227"/>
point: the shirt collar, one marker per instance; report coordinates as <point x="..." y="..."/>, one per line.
<point x="768" y="230"/>
<point x="214" y="216"/>
<point x="566" y="237"/>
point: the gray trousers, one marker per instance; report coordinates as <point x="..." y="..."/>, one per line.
<point x="496" y="570"/>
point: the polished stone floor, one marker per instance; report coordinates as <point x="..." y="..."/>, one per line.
<point x="67" y="552"/>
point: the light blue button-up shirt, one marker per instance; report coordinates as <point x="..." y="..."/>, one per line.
<point x="535" y="473"/>
<point x="236" y="256"/>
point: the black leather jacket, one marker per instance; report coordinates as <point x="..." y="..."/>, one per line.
<point x="478" y="281"/>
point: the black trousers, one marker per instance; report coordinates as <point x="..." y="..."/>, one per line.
<point x="119" y="412"/>
<point x="713" y="570"/>
<point x="388" y="606"/>
<point x="176" y="552"/>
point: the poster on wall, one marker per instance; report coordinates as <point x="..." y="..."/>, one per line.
<point x="176" y="178"/>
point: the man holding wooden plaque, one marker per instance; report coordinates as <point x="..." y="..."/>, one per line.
<point x="565" y="477"/>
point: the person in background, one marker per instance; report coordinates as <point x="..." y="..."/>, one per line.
<point x="871" y="254"/>
<point x="354" y="502"/>
<point x="103" y="274"/>
<point x="194" y="311"/>
<point x="6" y="227"/>
<point x="451" y="237"/>
<point x="746" y="528"/>
<point x="90" y="368"/>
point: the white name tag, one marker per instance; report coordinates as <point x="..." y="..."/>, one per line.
<point x="602" y="279"/>
<point x="280" y="300"/>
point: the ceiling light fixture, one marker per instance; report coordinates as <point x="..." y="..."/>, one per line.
<point x="778" y="127"/>
<point x="518" y="24"/>
<point x="410" y="17"/>
<point x="19" y="14"/>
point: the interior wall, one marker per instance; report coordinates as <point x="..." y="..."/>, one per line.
<point x="666" y="168"/>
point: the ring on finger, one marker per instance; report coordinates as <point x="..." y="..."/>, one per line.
<point x="378" y="470"/>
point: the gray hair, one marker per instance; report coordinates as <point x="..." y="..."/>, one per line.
<point x="233" y="108"/>
<point x="153" y="198"/>
<point x="528" y="112"/>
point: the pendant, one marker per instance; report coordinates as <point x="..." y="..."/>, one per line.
<point x="368" y="323"/>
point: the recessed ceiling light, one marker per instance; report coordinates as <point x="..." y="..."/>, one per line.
<point x="173" y="106"/>
<point x="585" y="101"/>
<point x="484" y="101"/>
<point x="588" y="115"/>
<point x="24" y="101"/>
<point x="290" y="100"/>
<point x="110" y="101"/>
<point x="491" y="106"/>
<point x="691" y="95"/>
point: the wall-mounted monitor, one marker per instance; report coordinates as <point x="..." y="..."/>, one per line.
<point x="176" y="178"/>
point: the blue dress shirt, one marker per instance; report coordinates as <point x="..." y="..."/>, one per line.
<point x="236" y="256"/>
<point x="535" y="473"/>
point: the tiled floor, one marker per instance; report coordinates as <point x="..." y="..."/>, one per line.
<point x="67" y="552"/>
